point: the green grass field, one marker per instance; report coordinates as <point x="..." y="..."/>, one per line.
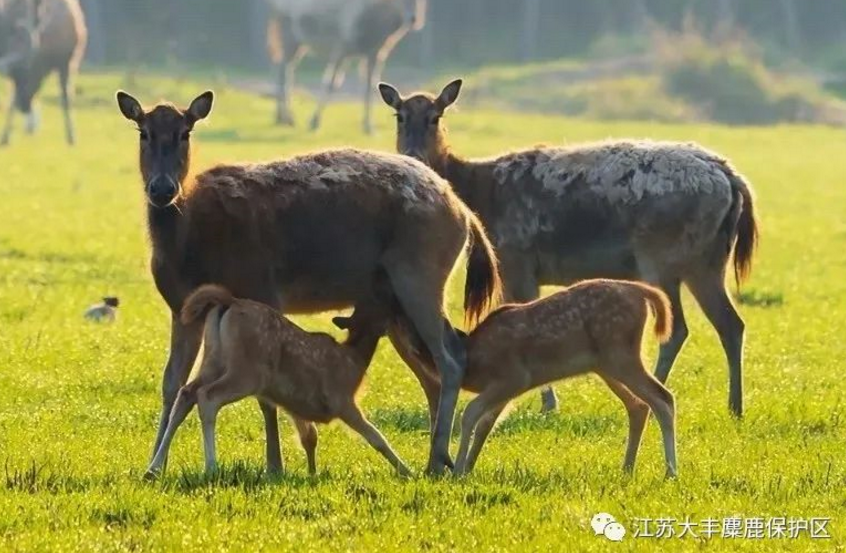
<point x="79" y="402"/>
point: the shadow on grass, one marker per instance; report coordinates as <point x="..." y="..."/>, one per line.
<point x="528" y="419"/>
<point x="15" y="254"/>
<point x="239" y="475"/>
<point x="401" y="419"/>
<point x="574" y="424"/>
<point x="40" y="478"/>
<point x="754" y="298"/>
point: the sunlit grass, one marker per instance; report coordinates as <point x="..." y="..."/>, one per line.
<point x="79" y="402"/>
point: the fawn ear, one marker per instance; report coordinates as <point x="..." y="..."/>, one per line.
<point x="129" y="106"/>
<point x="449" y="94"/>
<point x="342" y="322"/>
<point x="390" y="95"/>
<point x="200" y="107"/>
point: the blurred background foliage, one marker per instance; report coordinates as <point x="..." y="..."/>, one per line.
<point x="731" y="61"/>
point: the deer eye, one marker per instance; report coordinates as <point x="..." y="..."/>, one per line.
<point x="185" y="136"/>
<point x="142" y="134"/>
<point x="400" y="118"/>
<point x="435" y="120"/>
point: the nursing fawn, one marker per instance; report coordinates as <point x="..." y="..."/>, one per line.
<point x="251" y="350"/>
<point x="595" y="326"/>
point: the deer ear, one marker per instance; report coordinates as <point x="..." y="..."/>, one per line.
<point x="129" y="106"/>
<point x="449" y="94"/>
<point x="342" y="322"/>
<point x="200" y="107"/>
<point x="390" y="95"/>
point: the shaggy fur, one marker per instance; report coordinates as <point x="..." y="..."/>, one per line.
<point x="338" y="30"/>
<point x="56" y="42"/>
<point x="661" y="212"/>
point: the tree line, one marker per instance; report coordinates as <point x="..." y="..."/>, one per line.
<point x="459" y="32"/>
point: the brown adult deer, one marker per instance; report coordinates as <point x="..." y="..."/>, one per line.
<point x="306" y="235"/>
<point x="340" y="30"/>
<point x="665" y="213"/>
<point x="250" y="350"/>
<point x="38" y="37"/>
<point x="594" y="326"/>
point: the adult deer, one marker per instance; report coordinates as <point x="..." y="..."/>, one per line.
<point x="38" y="37"/>
<point x="665" y="213"/>
<point x="307" y="235"/>
<point x="339" y="30"/>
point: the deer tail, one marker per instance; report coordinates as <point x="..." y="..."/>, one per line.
<point x="483" y="287"/>
<point x="747" y="230"/>
<point x="202" y="300"/>
<point x="661" y="308"/>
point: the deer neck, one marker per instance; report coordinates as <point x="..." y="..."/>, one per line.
<point x="363" y="347"/>
<point x="166" y="225"/>
<point x="468" y="179"/>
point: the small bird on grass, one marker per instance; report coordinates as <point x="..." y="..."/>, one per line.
<point x="103" y="312"/>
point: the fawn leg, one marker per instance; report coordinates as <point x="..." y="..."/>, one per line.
<point x="210" y="399"/>
<point x="308" y="439"/>
<point x="638" y="413"/>
<point x="354" y="418"/>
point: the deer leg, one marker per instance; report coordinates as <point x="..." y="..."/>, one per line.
<point x="483" y="429"/>
<point x="709" y="289"/>
<point x="631" y="373"/>
<point x="638" y="413"/>
<point x="281" y="36"/>
<point x="486" y="405"/>
<point x="420" y="293"/>
<point x="308" y="439"/>
<point x="423" y="373"/>
<point x="10" y="116"/>
<point x="353" y="417"/>
<point x="64" y="86"/>
<point x="333" y="77"/>
<point x="285" y="87"/>
<point x="210" y="371"/>
<point x="185" y="401"/>
<point x="669" y="350"/>
<point x="210" y="399"/>
<point x="184" y="345"/>
<point x="373" y="67"/>
<point x="273" y="451"/>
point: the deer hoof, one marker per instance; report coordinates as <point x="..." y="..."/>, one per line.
<point x="549" y="401"/>
<point x="315" y="122"/>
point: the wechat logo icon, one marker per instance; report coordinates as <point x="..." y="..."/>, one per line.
<point x="606" y="525"/>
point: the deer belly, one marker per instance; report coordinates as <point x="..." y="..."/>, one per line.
<point x="327" y="266"/>
<point x="601" y="258"/>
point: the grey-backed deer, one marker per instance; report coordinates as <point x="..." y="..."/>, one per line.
<point x="38" y="37"/>
<point x="340" y="31"/>
<point x="662" y="212"/>
<point x="306" y="235"/>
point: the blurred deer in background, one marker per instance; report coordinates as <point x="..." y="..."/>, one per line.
<point x="38" y="37"/>
<point x="339" y="30"/>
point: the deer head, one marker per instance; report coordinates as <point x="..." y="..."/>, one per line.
<point x="420" y="130"/>
<point x="164" y="134"/>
